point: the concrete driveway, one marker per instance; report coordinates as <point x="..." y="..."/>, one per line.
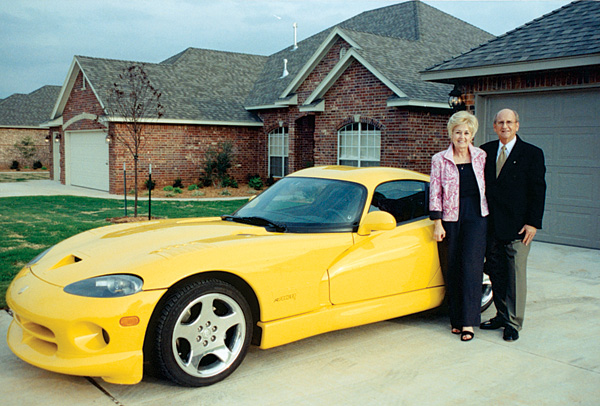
<point x="412" y="360"/>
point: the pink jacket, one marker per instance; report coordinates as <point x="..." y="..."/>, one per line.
<point x="444" y="182"/>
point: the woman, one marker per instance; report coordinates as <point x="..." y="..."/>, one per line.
<point x="458" y="209"/>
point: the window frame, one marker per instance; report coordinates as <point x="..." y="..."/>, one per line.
<point x="282" y="135"/>
<point x="361" y="143"/>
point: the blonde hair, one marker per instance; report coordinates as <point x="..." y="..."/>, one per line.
<point x="463" y="117"/>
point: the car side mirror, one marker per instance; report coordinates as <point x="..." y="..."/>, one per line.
<point x="377" y="221"/>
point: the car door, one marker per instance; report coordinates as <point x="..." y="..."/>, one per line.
<point x="387" y="263"/>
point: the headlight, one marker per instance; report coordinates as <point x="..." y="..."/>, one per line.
<point x="106" y="286"/>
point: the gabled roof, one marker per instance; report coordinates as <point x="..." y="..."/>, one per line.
<point x="28" y="110"/>
<point x="566" y="37"/>
<point x="394" y="43"/>
<point x="198" y="86"/>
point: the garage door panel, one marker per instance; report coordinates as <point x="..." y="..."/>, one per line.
<point x="88" y="160"/>
<point x="565" y="125"/>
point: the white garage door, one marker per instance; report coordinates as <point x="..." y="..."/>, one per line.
<point x="88" y="159"/>
<point x="566" y="125"/>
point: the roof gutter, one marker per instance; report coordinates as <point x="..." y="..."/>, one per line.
<point x="448" y="75"/>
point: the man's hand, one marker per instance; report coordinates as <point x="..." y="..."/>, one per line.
<point x="529" y="233"/>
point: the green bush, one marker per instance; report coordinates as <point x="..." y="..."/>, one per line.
<point x="15" y="165"/>
<point x="168" y="188"/>
<point x="192" y="187"/>
<point x="37" y="165"/>
<point x="229" y="182"/>
<point x="150" y="184"/>
<point x="255" y="182"/>
<point x="177" y="190"/>
<point x="178" y="183"/>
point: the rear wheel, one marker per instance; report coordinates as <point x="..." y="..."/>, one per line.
<point x="203" y="333"/>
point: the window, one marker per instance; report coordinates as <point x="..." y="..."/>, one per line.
<point x="403" y="199"/>
<point x="278" y="152"/>
<point x="359" y="144"/>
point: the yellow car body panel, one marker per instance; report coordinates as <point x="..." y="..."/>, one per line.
<point x="304" y="283"/>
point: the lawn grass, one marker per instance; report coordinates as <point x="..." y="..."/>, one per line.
<point x="29" y="225"/>
<point x="18" y="176"/>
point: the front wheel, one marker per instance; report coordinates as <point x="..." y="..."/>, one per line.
<point x="203" y="333"/>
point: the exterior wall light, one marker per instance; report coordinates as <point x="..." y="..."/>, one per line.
<point x="455" y="100"/>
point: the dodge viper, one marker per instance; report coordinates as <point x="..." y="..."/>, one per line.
<point x="323" y="249"/>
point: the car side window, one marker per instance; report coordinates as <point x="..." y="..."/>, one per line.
<point x="404" y="199"/>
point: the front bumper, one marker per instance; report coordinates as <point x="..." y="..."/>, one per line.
<point x="78" y="335"/>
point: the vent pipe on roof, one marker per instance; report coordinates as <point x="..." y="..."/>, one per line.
<point x="285" y="71"/>
<point x="295" y="25"/>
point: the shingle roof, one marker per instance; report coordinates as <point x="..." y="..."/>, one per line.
<point x="28" y="110"/>
<point x="196" y="84"/>
<point x="570" y="31"/>
<point x="400" y="40"/>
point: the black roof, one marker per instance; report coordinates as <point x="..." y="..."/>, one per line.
<point x="570" y="31"/>
<point x="28" y="110"/>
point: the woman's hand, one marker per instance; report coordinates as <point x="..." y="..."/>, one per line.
<point x="438" y="231"/>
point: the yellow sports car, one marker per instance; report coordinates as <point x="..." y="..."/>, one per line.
<point x="323" y="249"/>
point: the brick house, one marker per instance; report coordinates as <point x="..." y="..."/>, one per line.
<point x="549" y="72"/>
<point x="350" y="94"/>
<point x="21" y="118"/>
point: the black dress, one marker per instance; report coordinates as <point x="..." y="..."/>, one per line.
<point x="464" y="249"/>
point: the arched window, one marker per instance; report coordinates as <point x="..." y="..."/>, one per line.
<point x="278" y="152"/>
<point x="359" y="144"/>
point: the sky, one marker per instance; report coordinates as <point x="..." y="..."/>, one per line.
<point x="38" y="38"/>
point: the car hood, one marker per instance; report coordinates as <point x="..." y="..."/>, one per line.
<point x="130" y="248"/>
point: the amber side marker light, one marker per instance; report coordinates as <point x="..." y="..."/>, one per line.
<point x="129" y="321"/>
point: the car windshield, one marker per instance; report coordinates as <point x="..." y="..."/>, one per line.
<point x="296" y="204"/>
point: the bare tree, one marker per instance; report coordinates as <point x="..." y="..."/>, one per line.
<point x="133" y="100"/>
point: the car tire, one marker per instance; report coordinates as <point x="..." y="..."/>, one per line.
<point x="487" y="297"/>
<point x="203" y="333"/>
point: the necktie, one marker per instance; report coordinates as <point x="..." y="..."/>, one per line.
<point x="501" y="160"/>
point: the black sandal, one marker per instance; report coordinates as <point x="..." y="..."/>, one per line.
<point x="467" y="335"/>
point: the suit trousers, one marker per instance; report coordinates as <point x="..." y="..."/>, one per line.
<point x="506" y="265"/>
<point x="461" y="256"/>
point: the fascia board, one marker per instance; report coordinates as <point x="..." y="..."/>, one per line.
<point x="417" y="103"/>
<point x="265" y="107"/>
<point x="314" y="107"/>
<point x="504" y="69"/>
<point x="339" y="69"/>
<point x="316" y="58"/>
<point x="66" y="88"/>
<point x="115" y="119"/>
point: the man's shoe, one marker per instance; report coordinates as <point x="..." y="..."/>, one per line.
<point x="492" y="324"/>
<point x="510" y="334"/>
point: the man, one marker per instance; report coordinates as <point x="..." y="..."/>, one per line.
<point x="516" y="194"/>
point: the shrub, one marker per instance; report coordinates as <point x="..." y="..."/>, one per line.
<point x="178" y="183"/>
<point x="192" y="187"/>
<point x="168" y="188"/>
<point x="37" y="165"/>
<point x="271" y="181"/>
<point x="225" y="192"/>
<point x="255" y="182"/>
<point x="177" y="190"/>
<point x="15" y="165"/>
<point x="150" y="184"/>
<point x="229" y="182"/>
<point x="217" y="162"/>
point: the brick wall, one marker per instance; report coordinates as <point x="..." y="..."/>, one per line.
<point x="11" y="136"/>
<point x="530" y="81"/>
<point x="410" y="137"/>
<point x="179" y="151"/>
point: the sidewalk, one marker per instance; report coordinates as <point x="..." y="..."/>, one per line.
<point x="411" y="360"/>
<point x="52" y="188"/>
